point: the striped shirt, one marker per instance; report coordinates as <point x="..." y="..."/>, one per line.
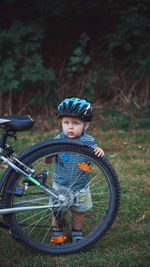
<point x="66" y="170"/>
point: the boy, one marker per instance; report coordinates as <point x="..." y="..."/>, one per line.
<point x="75" y="116"/>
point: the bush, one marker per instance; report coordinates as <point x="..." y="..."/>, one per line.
<point x="79" y="59"/>
<point x="114" y="117"/>
<point x="20" y="60"/>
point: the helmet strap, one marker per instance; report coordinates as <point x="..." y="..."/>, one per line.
<point x="84" y="130"/>
<point x="62" y="128"/>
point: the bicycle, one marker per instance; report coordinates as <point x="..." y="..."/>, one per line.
<point x="29" y="201"/>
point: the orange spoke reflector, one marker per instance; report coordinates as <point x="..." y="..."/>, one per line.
<point x="85" y="167"/>
<point x="58" y="239"/>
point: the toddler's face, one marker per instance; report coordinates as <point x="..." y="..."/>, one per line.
<point x="73" y="127"/>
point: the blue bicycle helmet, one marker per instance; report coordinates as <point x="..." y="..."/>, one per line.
<point x="75" y="107"/>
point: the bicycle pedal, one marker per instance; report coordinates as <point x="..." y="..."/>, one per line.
<point x="58" y="239"/>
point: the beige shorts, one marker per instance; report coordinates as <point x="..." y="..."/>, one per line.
<point x="82" y="199"/>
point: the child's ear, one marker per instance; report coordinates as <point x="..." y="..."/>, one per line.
<point x="87" y="125"/>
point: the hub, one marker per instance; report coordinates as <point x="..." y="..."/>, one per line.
<point x="65" y="199"/>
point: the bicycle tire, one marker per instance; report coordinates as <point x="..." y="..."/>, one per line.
<point x="27" y="227"/>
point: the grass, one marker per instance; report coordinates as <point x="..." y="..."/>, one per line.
<point x="127" y="243"/>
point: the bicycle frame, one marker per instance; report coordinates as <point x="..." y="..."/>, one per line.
<point x="33" y="206"/>
<point x="25" y="171"/>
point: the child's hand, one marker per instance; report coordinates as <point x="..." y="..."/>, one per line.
<point x="98" y="152"/>
<point x="49" y="160"/>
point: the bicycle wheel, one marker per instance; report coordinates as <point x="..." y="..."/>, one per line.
<point x="33" y="228"/>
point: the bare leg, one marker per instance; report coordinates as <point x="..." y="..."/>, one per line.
<point x="77" y="220"/>
<point x="55" y="222"/>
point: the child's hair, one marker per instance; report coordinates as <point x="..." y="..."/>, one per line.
<point x="75" y="107"/>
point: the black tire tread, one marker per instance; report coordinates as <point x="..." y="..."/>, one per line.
<point x="104" y="162"/>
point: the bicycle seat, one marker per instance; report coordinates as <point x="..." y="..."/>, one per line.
<point x="16" y="123"/>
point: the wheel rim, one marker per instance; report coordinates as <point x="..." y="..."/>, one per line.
<point x="36" y="225"/>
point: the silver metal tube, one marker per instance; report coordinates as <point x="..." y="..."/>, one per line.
<point x="27" y="168"/>
<point x="28" y="176"/>
<point x="13" y="210"/>
<point x="30" y="201"/>
<point x="8" y="161"/>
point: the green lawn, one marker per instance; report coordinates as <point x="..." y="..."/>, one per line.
<point x="127" y="242"/>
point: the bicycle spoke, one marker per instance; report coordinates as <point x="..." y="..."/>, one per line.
<point x="89" y="183"/>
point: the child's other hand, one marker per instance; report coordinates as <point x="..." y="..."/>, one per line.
<point x="98" y="152"/>
<point x="49" y="160"/>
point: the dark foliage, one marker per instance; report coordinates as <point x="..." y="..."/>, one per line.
<point x="54" y="49"/>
